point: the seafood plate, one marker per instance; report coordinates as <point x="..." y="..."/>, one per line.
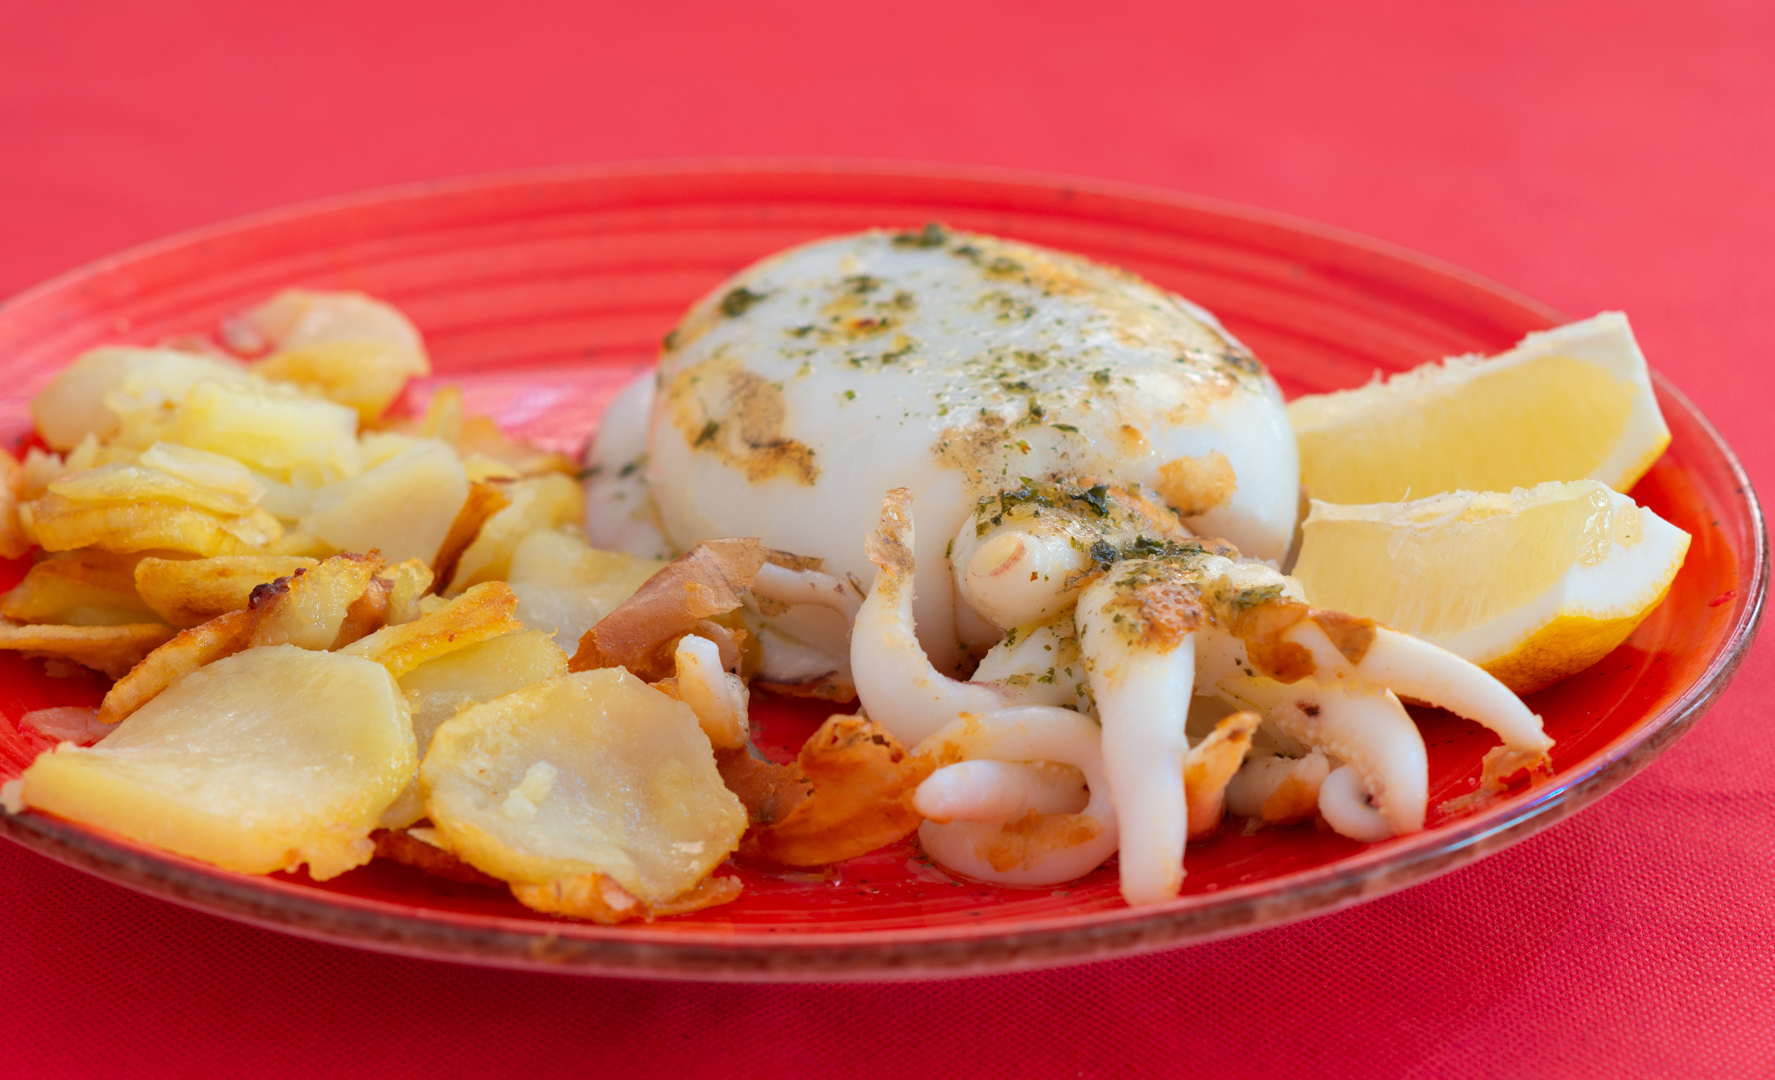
<point x="893" y="910"/>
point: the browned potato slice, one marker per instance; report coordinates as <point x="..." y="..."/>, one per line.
<point x="260" y="761"/>
<point x="79" y="588"/>
<point x="601" y="899"/>
<point x="185" y="653"/>
<point x="187" y="592"/>
<point x="110" y="649"/>
<point x="480" y="436"/>
<point x="541" y="502"/>
<point x="80" y="400"/>
<point x="310" y="608"/>
<point x="138" y="484"/>
<point x="408" y="584"/>
<point x="217" y="473"/>
<point x="483" y="612"/>
<point x="862" y="783"/>
<point x="62" y="524"/>
<point x="402" y="505"/>
<point x="278" y="431"/>
<point x="365" y="375"/>
<point x="705" y="581"/>
<point x="590" y="773"/>
<point x="437" y="689"/>
<point x="14" y="542"/>
<point x="565" y="585"/>
<point x="346" y="346"/>
<point x="484" y="501"/>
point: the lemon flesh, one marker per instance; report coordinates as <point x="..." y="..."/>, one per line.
<point x="260" y="761"/>
<point x="1533" y="585"/>
<point x="1568" y="404"/>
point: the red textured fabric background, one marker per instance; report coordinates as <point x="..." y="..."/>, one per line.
<point x="1602" y="155"/>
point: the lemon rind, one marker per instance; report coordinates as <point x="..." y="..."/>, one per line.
<point x="1582" y="592"/>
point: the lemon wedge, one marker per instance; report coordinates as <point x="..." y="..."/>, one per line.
<point x="1567" y="404"/>
<point x="1532" y="586"/>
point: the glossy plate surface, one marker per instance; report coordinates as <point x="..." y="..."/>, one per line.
<point x="542" y="294"/>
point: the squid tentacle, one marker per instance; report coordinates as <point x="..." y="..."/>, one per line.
<point x="899" y="687"/>
<point x="1043" y="847"/>
<point x="1143" y="698"/>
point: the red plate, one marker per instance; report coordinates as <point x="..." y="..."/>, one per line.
<point x="541" y="294"/>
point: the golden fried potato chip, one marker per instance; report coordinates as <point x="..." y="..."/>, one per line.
<point x="437" y="689"/>
<point x="86" y="397"/>
<point x="587" y="773"/>
<point x="110" y="649"/>
<point x="364" y="375"/>
<point x="402" y="504"/>
<point x="484" y="501"/>
<point x="566" y="586"/>
<point x="310" y="608"/>
<point x="1210" y="764"/>
<point x="541" y="502"/>
<point x="409" y="582"/>
<point x="138" y="484"/>
<point x="404" y="847"/>
<point x="863" y="782"/>
<point x="708" y="580"/>
<point x="483" y="612"/>
<point x="260" y="761"/>
<point x="14" y="541"/>
<point x="189" y="592"/>
<point x="601" y="900"/>
<point x="479" y="436"/>
<point x="62" y="524"/>
<point x="79" y="588"/>
<point x="185" y="653"/>
<point x="276" y="430"/>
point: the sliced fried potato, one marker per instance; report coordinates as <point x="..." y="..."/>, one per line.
<point x="365" y="375"/>
<point x="407" y="848"/>
<point x="185" y="653"/>
<point x="346" y="346"/>
<point x="79" y="588"/>
<point x="402" y="506"/>
<point x="85" y="397"/>
<point x="863" y="782"/>
<point x="484" y="500"/>
<point x="479" y="436"/>
<point x="215" y="472"/>
<point x="483" y="612"/>
<point x="278" y="431"/>
<point x="62" y="524"/>
<point x="565" y="585"/>
<point x="110" y="649"/>
<point x="590" y="773"/>
<point x="602" y="900"/>
<point x="189" y="592"/>
<point x="640" y="634"/>
<point x="139" y="484"/>
<point x="309" y="609"/>
<point x="260" y="761"/>
<point x="481" y="672"/>
<point x="541" y="502"/>
<point x="14" y="541"/>
<point x="408" y="584"/>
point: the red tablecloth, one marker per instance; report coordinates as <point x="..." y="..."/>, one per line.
<point x="1592" y="155"/>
